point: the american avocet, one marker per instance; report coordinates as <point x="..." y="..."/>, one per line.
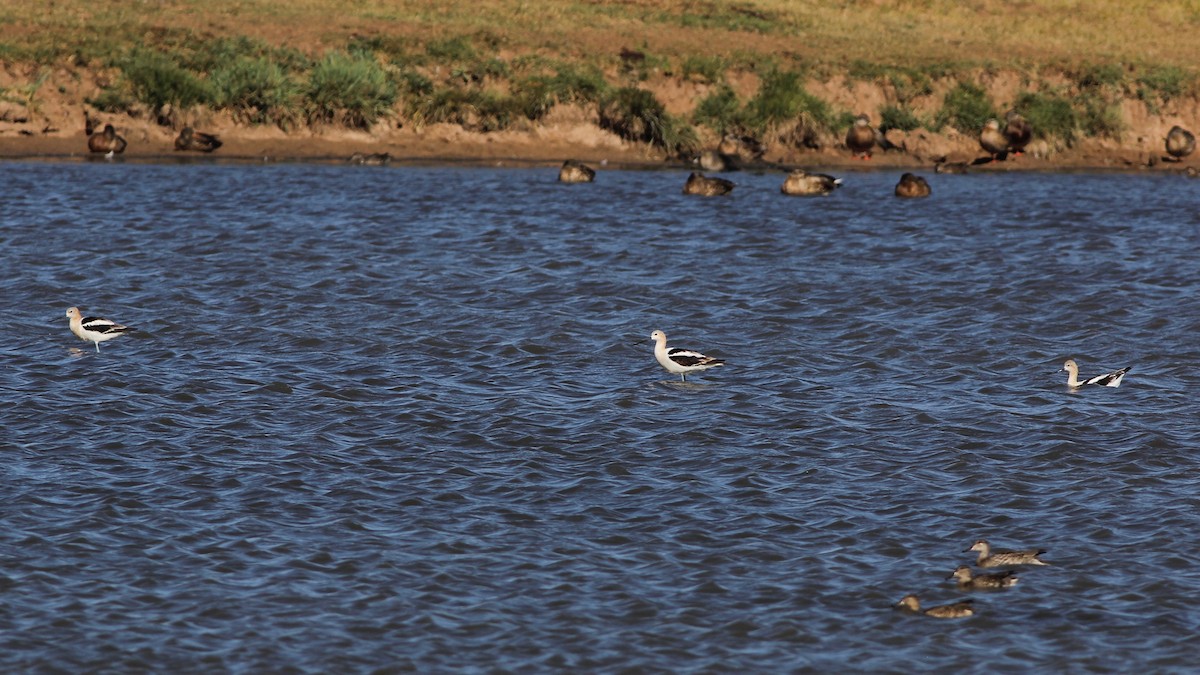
<point x="90" y="329"/>
<point x="956" y="611"/>
<point x="803" y="183"/>
<point x="968" y="581"/>
<point x="681" y="361"/>
<point x="1112" y="379"/>
<point x="990" y="558"/>
<point x="912" y="185"/>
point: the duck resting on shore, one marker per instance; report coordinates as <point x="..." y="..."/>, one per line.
<point x="190" y="140"/>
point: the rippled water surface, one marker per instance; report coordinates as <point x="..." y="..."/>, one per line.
<point x="409" y="418"/>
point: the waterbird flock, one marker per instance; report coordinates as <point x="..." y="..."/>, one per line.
<point x="968" y="581"/>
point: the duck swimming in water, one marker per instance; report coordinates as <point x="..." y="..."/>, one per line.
<point x="968" y="581"/>
<point x="576" y="172"/>
<point x="990" y="558"/>
<point x="699" y="184"/>
<point x="957" y="610"/>
<point x="912" y="185"/>
<point x="803" y="183"/>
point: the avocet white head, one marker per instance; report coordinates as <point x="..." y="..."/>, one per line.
<point x="1112" y="379"/>
<point x="681" y="361"/>
<point x="91" y="329"/>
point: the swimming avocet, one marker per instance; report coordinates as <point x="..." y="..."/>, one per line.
<point x="680" y="361"/>
<point x="91" y="329"/>
<point x="990" y="558"/>
<point x="1112" y="379"/>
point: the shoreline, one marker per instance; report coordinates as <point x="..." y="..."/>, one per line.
<point x="549" y="146"/>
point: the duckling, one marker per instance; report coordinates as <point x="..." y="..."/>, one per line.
<point x="576" y="172"/>
<point x="957" y="610"/>
<point x="967" y="581"/>
<point x="861" y="137"/>
<point x="197" y="141"/>
<point x="1180" y="143"/>
<point x="106" y="141"/>
<point x="993" y="140"/>
<point x="800" y="182"/>
<point x="1018" y="131"/>
<point x="988" y="558"/>
<point x="699" y="184"/>
<point x="912" y="185"/>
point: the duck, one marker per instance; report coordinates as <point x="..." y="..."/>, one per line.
<point x="1180" y="143"/>
<point x="196" y="141"/>
<point x="967" y="581"/>
<point x="1112" y="379"/>
<point x="942" y="166"/>
<point x="715" y="160"/>
<point x="680" y="361"/>
<point x="106" y="141"/>
<point x="1017" y="131"/>
<point x="993" y="140"/>
<point x="912" y="185"/>
<point x="92" y="329"/>
<point x="989" y="558"/>
<point x="699" y="184"/>
<point x="957" y="610"/>
<point x="371" y="159"/>
<point x="800" y="182"/>
<point x="861" y="137"/>
<point x="576" y="172"/>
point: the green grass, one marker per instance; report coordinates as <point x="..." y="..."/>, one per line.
<point x="494" y="64"/>
<point x="966" y="107"/>
<point x="349" y="89"/>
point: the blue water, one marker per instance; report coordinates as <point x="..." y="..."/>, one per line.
<point x="409" y="419"/>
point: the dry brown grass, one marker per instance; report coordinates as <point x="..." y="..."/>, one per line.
<point x="913" y="33"/>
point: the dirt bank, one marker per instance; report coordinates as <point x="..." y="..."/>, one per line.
<point x="51" y="124"/>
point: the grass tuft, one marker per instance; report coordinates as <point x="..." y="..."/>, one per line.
<point x="966" y="108"/>
<point x="349" y="89"/>
<point x="637" y="115"/>
<point x="257" y="91"/>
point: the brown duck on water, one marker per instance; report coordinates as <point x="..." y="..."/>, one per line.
<point x="699" y="184"/>
<point x="912" y="185"/>
<point x="968" y="581"/>
<point x="957" y="610"/>
<point x="803" y="183"/>
<point x="990" y="558"/>
<point x="576" y="172"/>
